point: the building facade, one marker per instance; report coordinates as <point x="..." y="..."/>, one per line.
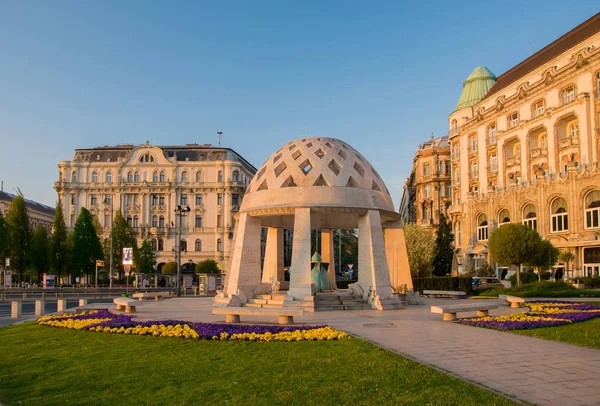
<point x="39" y="214"/>
<point x="148" y="182"/>
<point x="525" y="148"/>
<point x="427" y="192"/>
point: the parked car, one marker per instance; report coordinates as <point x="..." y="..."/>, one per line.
<point x="486" y="283"/>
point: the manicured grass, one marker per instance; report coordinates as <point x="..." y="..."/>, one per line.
<point x="43" y="365"/>
<point x="585" y="334"/>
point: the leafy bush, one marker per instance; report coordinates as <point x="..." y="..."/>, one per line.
<point x="444" y="283"/>
<point x="589" y="282"/>
<point x="207" y="266"/>
<point x="544" y="289"/>
<point x="526" y="277"/>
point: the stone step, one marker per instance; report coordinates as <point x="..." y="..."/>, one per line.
<point x="328" y="308"/>
<point x="276" y="296"/>
<point x="364" y="306"/>
<point x="253" y="305"/>
<point x="278" y="302"/>
<point x="258" y="301"/>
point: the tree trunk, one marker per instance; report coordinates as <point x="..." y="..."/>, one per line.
<point x="539" y="275"/>
<point x="518" y="274"/>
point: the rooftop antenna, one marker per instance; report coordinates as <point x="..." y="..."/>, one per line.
<point x="219" y="133"/>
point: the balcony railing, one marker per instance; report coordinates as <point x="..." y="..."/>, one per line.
<point x="492" y="140"/>
<point x="567" y="142"/>
<point x="493" y="169"/>
<point x="510" y="161"/>
<point x="567" y="98"/>
<point x="454" y="131"/>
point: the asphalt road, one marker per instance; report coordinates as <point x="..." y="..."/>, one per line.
<point x="28" y="308"/>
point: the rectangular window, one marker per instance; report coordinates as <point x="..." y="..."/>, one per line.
<point x="154" y="200"/>
<point x="427" y="191"/>
<point x="219" y="199"/>
<point x="219" y="221"/>
<point x="73" y="199"/>
<point x="592" y="217"/>
<point x="538" y="108"/>
<point x="106" y="220"/>
<point x="235" y="199"/>
<point x="447" y="172"/>
<point x="161" y="200"/>
<point x="492" y="135"/>
<point x="568" y="95"/>
<point x="128" y="199"/>
<point x="560" y="222"/>
<point x="474" y="144"/>
<point x="493" y="163"/>
<point x="93" y="200"/>
<point x="198" y="221"/>
<point x="426" y="170"/>
<point x="513" y="120"/>
<point x="448" y="190"/>
<point x="198" y="200"/>
<point x="482" y="233"/>
<point x="184" y="200"/>
<point x="72" y="220"/>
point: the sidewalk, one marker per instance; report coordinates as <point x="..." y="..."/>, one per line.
<point x="526" y="368"/>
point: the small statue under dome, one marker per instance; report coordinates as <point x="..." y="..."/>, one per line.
<point x="319" y="273"/>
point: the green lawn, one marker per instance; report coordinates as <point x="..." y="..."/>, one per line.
<point x="41" y="365"/>
<point x="585" y="334"/>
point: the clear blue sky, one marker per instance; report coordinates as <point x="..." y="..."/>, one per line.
<point x="381" y="75"/>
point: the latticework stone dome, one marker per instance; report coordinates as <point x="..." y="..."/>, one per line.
<point x="317" y="172"/>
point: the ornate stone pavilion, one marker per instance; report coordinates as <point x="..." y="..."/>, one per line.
<point x="316" y="184"/>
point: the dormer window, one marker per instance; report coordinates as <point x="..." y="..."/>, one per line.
<point x="538" y="108"/>
<point x="146" y="158"/>
<point x="513" y="120"/>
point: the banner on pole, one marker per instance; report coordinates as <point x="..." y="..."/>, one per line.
<point x="99" y="263"/>
<point x="127" y="269"/>
<point x="127" y="256"/>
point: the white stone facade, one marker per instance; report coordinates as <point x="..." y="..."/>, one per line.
<point x="529" y="150"/>
<point x="147" y="182"/>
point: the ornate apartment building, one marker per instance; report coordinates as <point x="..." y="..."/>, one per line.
<point x="148" y="182"/>
<point x="428" y="190"/>
<point x="39" y="214"/>
<point x="525" y="148"/>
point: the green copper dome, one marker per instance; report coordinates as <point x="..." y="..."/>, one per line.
<point x="475" y="87"/>
<point x="316" y="257"/>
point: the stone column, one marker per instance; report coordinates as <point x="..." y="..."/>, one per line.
<point x="244" y="275"/>
<point x="273" y="266"/>
<point x="397" y="256"/>
<point x="300" y="280"/>
<point x="373" y="272"/>
<point x="327" y="255"/>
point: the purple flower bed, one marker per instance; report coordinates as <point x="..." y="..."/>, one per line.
<point x="574" y="317"/>
<point x="514" y="324"/>
<point x="204" y="330"/>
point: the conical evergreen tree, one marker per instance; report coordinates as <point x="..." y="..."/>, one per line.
<point x="60" y="249"/>
<point x="19" y="235"/>
<point x="86" y="245"/>
<point x="122" y="237"/>
<point x="442" y="262"/>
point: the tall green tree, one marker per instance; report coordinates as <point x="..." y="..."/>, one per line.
<point x="19" y="235"/>
<point x="3" y="239"/>
<point x="514" y="244"/>
<point x="41" y="252"/>
<point x="122" y="237"/>
<point x="170" y="268"/>
<point x="442" y="261"/>
<point x="60" y="250"/>
<point x="145" y="260"/>
<point x="420" y="246"/>
<point x="567" y="257"/>
<point x="86" y="245"/>
<point x="544" y="258"/>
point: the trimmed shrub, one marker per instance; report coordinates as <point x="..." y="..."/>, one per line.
<point x="544" y="289"/>
<point x="444" y="283"/>
<point x="589" y="282"/>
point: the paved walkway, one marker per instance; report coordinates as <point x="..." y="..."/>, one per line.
<point x="526" y="368"/>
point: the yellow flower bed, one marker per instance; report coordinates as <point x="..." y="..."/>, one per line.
<point x="318" y="334"/>
<point x="72" y="324"/>
<point x="516" y="317"/>
<point x="550" y="310"/>
<point x="483" y="297"/>
<point x="156" y="330"/>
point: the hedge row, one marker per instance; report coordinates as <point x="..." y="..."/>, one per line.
<point x="443" y="283"/>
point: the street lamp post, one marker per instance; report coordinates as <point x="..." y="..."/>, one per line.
<point x="180" y="211"/>
<point x="107" y="201"/>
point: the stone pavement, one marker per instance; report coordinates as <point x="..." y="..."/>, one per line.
<point x="520" y="367"/>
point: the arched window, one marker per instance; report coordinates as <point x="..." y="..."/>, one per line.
<point x="161" y="244"/>
<point x="219" y="245"/>
<point x="454" y="127"/>
<point x="235" y="176"/>
<point x="130" y="176"/>
<point x="184" y="178"/>
<point x="135" y="221"/>
<point x="544" y="141"/>
<point x="426" y="212"/>
<point x="129" y="221"/>
<point x="220" y="176"/>
<point x="530" y="216"/>
<point x="198" y="176"/>
<point x="146" y="158"/>
<point x="154" y="244"/>
<point x="162" y="176"/>
<point x="457" y="236"/>
<point x="136" y="177"/>
<point x="198" y="245"/>
<point x="74" y="177"/>
<point x="482" y="228"/>
<point x="94" y="177"/>
<point x="559" y="217"/>
<point x="108" y="177"/>
<point x="155" y="177"/>
<point x="592" y="209"/>
<point x="154" y="221"/>
<point x="503" y="217"/>
<point x="161" y="221"/>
